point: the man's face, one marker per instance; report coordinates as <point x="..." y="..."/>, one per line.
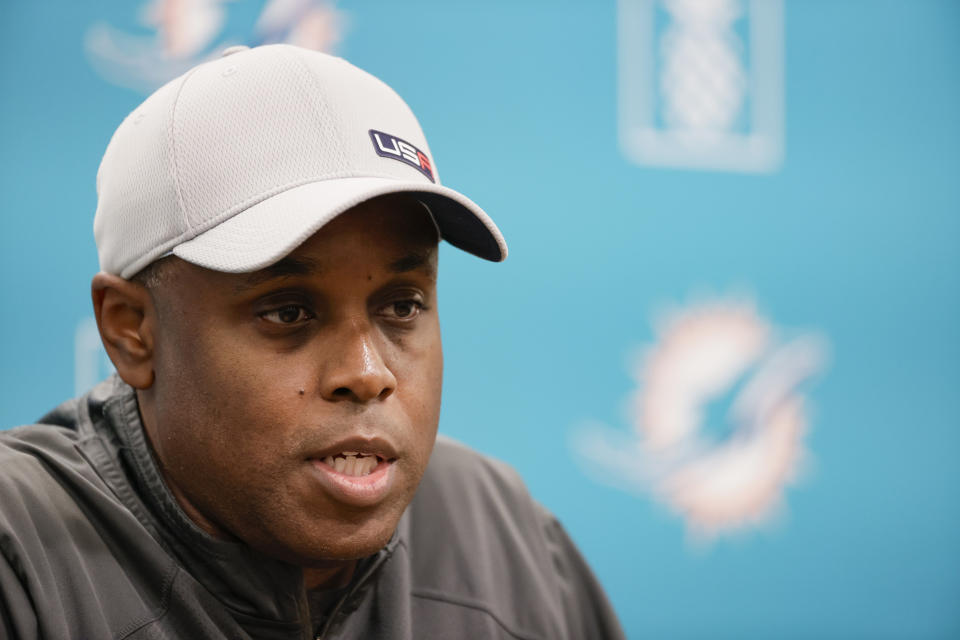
<point x="263" y="380"/>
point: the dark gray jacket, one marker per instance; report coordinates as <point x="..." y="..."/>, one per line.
<point x="93" y="546"/>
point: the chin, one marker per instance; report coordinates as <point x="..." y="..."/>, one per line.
<point x="344" y="541"/>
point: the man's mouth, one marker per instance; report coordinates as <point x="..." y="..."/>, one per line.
<point x="360" y="474"/>
<point x="354" y="463"/>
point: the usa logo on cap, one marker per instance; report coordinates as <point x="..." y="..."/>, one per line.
<point x="389" y="146"/>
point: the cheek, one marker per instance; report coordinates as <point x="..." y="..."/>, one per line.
<point x="420" y="381"/>
<point x="218" y="396"/>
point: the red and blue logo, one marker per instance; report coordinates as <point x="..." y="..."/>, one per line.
<point x="389" y="146"/>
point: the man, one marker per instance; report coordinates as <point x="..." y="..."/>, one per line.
<point x="263" y="464"/>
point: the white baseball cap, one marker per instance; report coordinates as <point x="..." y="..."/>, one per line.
<point x="235" y="163"/>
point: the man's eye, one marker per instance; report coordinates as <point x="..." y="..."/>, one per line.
<point x="289" y="314"/>
<point x="403" y="309"/>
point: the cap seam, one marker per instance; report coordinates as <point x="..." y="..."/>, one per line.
<point x="175" y="169"/>
<point x="319" y="87"/>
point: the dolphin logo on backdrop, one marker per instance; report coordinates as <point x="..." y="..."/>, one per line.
<point x="187" y="32"/>
<point x="718" y="481"/>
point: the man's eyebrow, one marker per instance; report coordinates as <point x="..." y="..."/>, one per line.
<point x="412" y="262"/>
<point x="283" y="268"/>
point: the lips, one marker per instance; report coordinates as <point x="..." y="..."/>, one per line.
<point x="356" y="471"/>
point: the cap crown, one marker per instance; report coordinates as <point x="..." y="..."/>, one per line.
<point x="233" y="132"/>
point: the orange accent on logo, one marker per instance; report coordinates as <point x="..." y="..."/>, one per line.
<point x="424" y="162"/>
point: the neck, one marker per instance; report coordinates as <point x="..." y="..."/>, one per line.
<point x="334" y="576"/>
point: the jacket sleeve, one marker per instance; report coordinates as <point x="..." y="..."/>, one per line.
<point x="17" y="618"/>
<point x="588" y="612"/>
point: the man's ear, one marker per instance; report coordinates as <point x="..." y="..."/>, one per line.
<point x="125" y="317"/>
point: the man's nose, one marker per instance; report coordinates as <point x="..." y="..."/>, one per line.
<point x="355" y="371"/>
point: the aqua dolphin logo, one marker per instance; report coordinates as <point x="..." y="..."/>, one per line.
<point x="716" y="483"/>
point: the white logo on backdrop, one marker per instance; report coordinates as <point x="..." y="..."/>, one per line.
<point x="717" y="482"/>
<point x="701" y="83"/>
<point x="187" y="32"/>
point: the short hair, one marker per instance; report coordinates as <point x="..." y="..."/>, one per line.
<point x="154" y="274"/>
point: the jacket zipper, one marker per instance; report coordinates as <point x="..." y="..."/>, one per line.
<point x="363" y="578"/>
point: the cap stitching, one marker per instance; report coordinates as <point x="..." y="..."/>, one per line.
<point x="305" y="68"/>
<point x="173" y="148"/>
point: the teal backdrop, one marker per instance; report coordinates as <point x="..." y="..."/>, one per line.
<point x="849" y="231"/>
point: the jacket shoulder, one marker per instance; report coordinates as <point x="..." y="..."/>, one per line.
<point x="30" y="455"/>
<point x="484" y="555"/>
<point x="44" y="480"/>
<point x="477" y="541"/>
<point x="68" y="546"/>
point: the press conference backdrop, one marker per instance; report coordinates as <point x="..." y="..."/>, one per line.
<point x="725" y="349"/>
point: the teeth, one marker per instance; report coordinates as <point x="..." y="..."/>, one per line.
<point x="352" y="463"/>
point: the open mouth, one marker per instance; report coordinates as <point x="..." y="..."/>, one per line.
<point x="351" y="477"/>
<point x="353" y="463"/>
<point x="358" y="471"/>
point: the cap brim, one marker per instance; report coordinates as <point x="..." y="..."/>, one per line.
<point x="267" y="231"/>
